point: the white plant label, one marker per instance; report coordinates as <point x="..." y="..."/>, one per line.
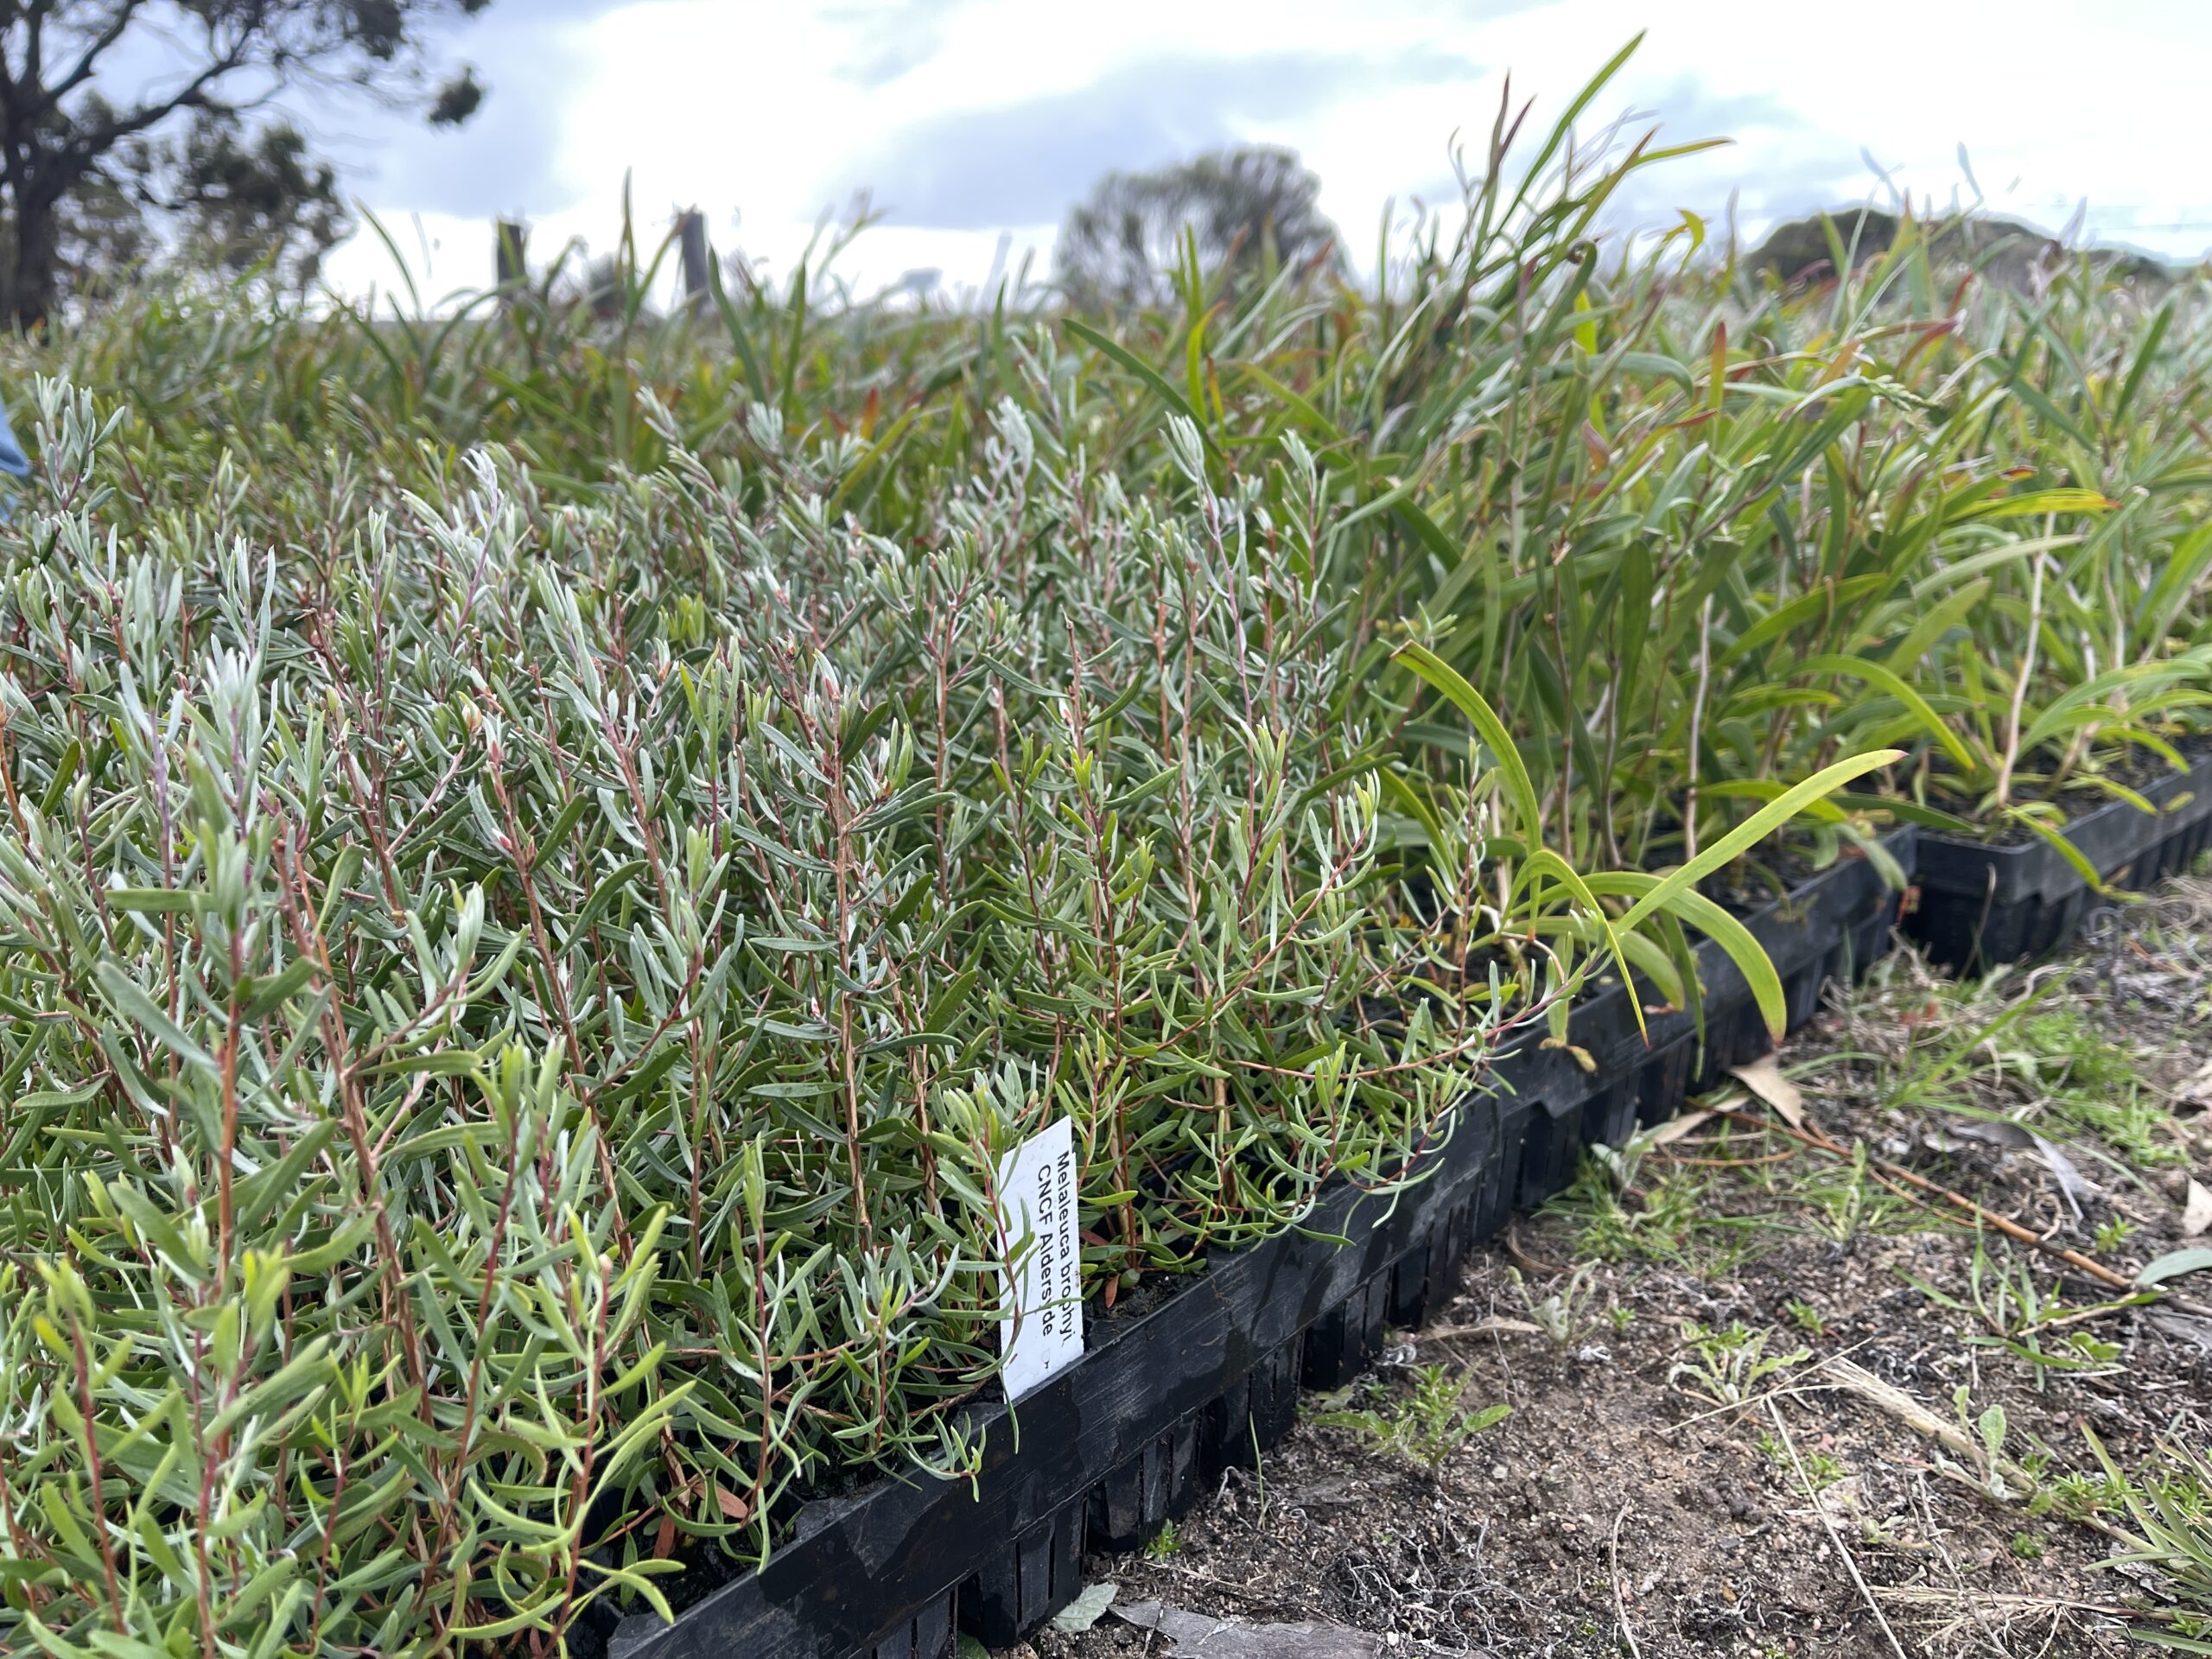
<point x="1042" y="1333"/>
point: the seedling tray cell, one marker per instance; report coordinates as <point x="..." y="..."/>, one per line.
<point x="929" y="1635"/>
<point x="1833" y="926"/>
<point x="1981" y="905"/>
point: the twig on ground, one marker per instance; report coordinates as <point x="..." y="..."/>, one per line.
<point x="1923" y="1189"/>
<point x="1522" y="1258"/>
<point x="1750" y="1402"/>
<point x="2005" y="1601"/>
<point x="1809" y="1383"/>
<point x="1620" y="1599"/>
<point x="1253" y="1596"/>
<point x="1942" y="1550"/>
<point x="1496" y="1326"/>
<point x="1812" y="1493"/>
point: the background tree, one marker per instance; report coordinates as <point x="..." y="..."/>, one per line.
<point x="263" y="202"/>
<point x="79" y="172"/>
<point x="1119" y="245"/>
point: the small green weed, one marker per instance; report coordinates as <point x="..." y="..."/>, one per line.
<point x="2092" y="1084"/>
<point x="1847" y="1202"/>
<point x="1673" y="1219"/>
<point x="2031" y="1322"/>
<point x="2059" y="1046"/>
<point x="1839" y="1201"/>
<point x="2136" y="1124"/>
<point x="2076" y="1497"/>
<point x="1822" y="1469"/>
<point x="1727" y="1366"/>
<point x="1165" y="1544"/>
<point x="1620" y="1165"/>
<point x="1426" y="1427"/>
<point x="1559" y="1314"/>
<point x="2170" y="1506"/>
<point x="1805" y="1317"/>
<point x="1996" y="1477"/>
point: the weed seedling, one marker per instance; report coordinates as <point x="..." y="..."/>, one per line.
<point x="2171" y="1509"/>
<point x="2032" y="1322"/>
<point x="2076" y="1497"/>
<point x="1165" y="1544"/>
<point x="1822" y="1470"/>
<point x="1847" y="1201"/>
<point x="1621" y="1164"/>
<point x="1259" y="1468"/>
<point x="1559" y="1314"/>
<point x="1993" y="1475"/>
<point x="2134" y="1123"/>
<point x="1425" y="1428"/>
<point x="1672" y="1219"/>
<point x="2093" y="1084"/>
<point x="1727" y="1366"/>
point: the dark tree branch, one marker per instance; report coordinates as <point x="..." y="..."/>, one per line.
<point x="194" y="96"/>
<point x="35" y="41"/>
<point x="98" y="49"/>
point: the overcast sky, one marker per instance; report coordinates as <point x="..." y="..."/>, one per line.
<point x="968" y="120"/>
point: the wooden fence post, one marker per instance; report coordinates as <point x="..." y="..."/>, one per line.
<point x="691" y="245"/>
<point x="510" y="252"/>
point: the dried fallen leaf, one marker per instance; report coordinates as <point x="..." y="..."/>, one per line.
<point x="1763" y="1078"/>
<point x="1675" y="1128"/>
<point x="1237" y="1638"/>
<point x="1496" y="1325"/>
<point x="1084" y="1611"/>
<point x="2197" y="1213"/>
<point x="2003" y="1132"/>
<point x="2071" y="1186"/>
<point x="2183" y="1328"/>
<point x="733" y="1506"/>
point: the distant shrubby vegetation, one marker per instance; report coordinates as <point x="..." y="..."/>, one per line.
<point x="546" y="850"/>
<point x="2002" y="251"/>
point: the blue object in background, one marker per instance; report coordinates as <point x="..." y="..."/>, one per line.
<point x="12" y="460"/>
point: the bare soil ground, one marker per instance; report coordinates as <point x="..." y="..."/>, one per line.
<point x="1764" y="1402"/>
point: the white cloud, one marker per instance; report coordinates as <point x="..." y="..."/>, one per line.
<point x="975" y="115"/>
<point x="1025" y="163"/>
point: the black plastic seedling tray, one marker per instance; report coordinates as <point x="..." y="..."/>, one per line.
<point x="1982" y="905"/>
<point x="1163" y="1401"/>
<point x="1833" y="926"/>
<point x="1128" y="1435"/>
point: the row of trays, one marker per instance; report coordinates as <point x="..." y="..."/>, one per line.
<point x="1165" y="1400"/>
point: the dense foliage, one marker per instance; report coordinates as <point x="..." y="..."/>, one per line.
<point x="543" y="859"/>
